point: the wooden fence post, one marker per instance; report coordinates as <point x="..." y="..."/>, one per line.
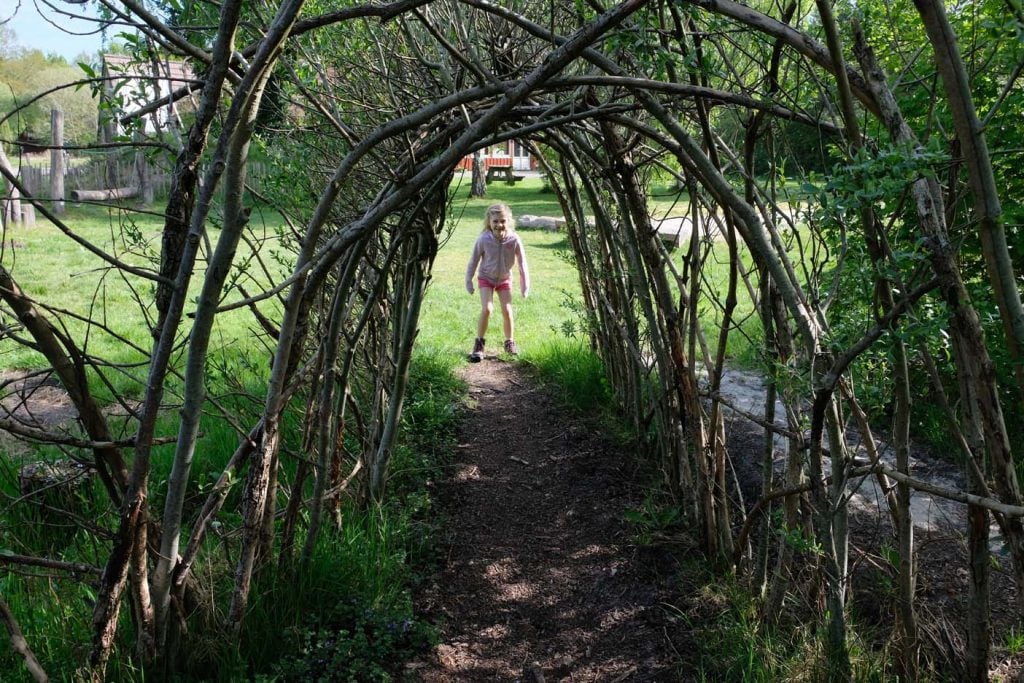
<point x="144" y="175"/>
<point x="57" y="160"/>
<point x="11" y="206"/>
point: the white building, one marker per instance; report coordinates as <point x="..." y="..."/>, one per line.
<point x="133" y="87"/>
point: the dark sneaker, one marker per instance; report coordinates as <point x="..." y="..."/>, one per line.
<point x="511" y="348"/>
<point x="478" y="351"/>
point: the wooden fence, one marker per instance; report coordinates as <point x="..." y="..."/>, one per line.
<point x="101" y="173"/>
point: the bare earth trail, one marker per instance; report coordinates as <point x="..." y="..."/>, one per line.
<point x="539" y="567"/>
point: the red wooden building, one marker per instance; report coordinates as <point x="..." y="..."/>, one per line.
<point x="512" y="153"/>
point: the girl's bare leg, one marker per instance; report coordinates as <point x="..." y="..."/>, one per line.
<point x="486" y="306"/>
<point x="505" y="297"/>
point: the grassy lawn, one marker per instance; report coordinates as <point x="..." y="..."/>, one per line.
<point x="56" y="272"/>
<point x="448" y="323"/>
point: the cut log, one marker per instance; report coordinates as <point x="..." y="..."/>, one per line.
<point x="104" y="195"/>
<point x="552" y="223"/>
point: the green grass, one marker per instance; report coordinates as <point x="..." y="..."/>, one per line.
<point x="351" y="617"/>
<point x="577" y="372"/>
<point x="449" y="316"/>
<point x="664" y="201"/>
<point x="350" y="612"/>
<point x="53" y="270"/>
<point x="56" y="272"/>
<point x="728" y="639"/>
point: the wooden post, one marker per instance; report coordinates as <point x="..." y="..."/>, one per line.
<point x="108" y="131"/>
<point x="11" y="206"/>
<point x="143" y="172"/>
<point x="57" y="160"/>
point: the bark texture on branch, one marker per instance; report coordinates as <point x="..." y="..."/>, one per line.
<point x="20" y="645"/>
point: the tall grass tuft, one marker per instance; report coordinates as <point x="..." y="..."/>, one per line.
<point x="350" y="616"/>
<point x="575" y="371"/>
<point x="733" y="641"/>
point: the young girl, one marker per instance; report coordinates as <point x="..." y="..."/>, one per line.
<point x="497" y="248"/>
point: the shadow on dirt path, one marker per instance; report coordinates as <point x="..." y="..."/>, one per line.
<point x="539" y="567"/>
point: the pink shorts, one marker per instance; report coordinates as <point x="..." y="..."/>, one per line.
<point x="502" y="286"/>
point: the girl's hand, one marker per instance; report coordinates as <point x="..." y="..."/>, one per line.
<point x="526" y="292"/>
<point x="469" y="287"/>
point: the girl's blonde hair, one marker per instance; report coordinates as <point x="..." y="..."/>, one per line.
<point x="496" y="209"/>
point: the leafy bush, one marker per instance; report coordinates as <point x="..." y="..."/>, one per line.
<point x="363" y="644"/>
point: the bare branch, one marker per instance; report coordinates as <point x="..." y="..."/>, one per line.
<point x="21" y="645"/>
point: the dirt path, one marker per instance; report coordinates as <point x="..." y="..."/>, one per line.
<point x="539" y="566"/>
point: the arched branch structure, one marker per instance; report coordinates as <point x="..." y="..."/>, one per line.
<point x="613" y="99"/>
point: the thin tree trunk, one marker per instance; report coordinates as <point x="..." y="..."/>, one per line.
<point x="768" y="449"/>
<point x="415" y="282"/>
<point x="478" y="187"/>
<point x="212" y="506"/>
<point x="974" y="364"/>
<point x="979" y="625"/>
<point x="905" y="533"/>
<point x="829" y="528"/>
<point x="235" y="220"/>
<point x="716" y="426"/>
<point x="794" y="472"/>
<point x="977" y="160"/>
<point x="185" y="177"/>
<point x="677" y="370"/>
<point x="329" y="409"/>
<point x="616" y="334"/>
<point x="231" y="157"/>
<point x="755" y="132"/>
<point x="144" y="174"/>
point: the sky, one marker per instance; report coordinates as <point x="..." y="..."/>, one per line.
<point x="31" y="29"/>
